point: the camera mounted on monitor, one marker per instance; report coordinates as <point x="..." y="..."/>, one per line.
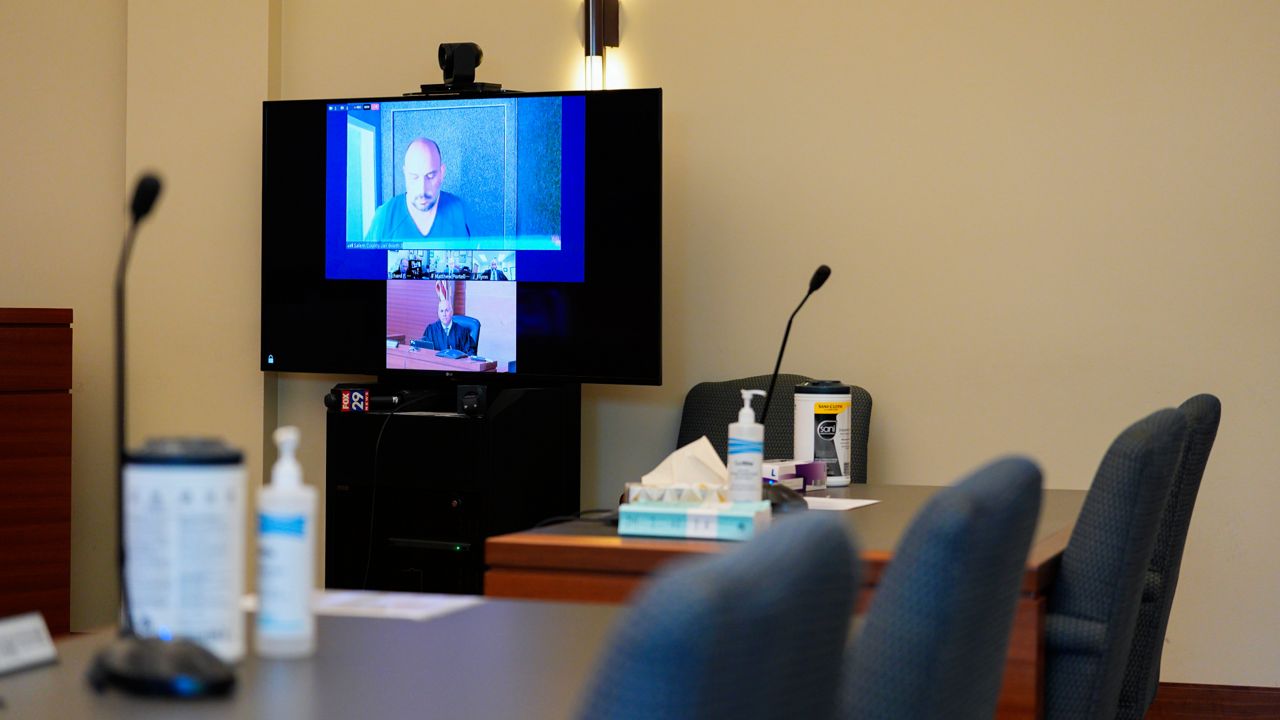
<point x="459" y="61"/>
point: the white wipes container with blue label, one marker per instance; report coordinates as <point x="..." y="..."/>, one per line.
<point x="184" y="542"/>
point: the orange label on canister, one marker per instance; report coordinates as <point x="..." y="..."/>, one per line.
<point x="830" y="408"/>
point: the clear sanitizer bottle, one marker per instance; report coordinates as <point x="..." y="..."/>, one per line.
<point x="285" y="625"/>
<point x="746" y="453"/>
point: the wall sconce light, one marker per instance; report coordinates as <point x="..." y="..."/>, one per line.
<point x="601" y="31"/>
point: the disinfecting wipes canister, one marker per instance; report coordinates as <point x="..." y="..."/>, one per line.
<point x="184" y="509"/>
<point x="822" y="427"/>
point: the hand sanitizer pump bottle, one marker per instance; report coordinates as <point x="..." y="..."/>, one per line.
<point x="746" y="453"/>
<point x="285" y="626"/>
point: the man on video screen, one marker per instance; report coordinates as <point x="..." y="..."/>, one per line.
<point x="423" y="209"/>
<point x="445" y="334"/>
<point x="494" y="272"/>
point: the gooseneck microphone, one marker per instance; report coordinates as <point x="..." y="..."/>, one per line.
<point x="146" y="666"/>
<point x="144" y="198"/>
<point x="819" y="277"/>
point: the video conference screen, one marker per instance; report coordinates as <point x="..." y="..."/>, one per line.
<point x="464" y="235"/>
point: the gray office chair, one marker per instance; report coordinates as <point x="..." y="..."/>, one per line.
<point x="756" y="632"/>
<point x="1093" y="607"/>
<point x="935" y="637"/>
<point x="709" y="407"/>
<point x="1142" y="673"/>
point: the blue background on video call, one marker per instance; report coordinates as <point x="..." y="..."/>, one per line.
<point x="480" y="182"/>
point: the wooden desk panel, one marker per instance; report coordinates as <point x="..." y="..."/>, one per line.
<point x="35" y="358"/>
<point x="589" y="562"/>
<point x="35" y="464"/>
<point x="592" y="547"/>
<point x="407" y="358"/>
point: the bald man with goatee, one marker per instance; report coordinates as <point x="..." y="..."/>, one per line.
<point x="423" y="210"/>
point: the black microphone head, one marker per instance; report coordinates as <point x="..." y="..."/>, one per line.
<point x="144" y="196"/>
<point x="819" y="277"/>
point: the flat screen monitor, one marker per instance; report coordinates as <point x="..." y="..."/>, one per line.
<point x="505" y="237"/>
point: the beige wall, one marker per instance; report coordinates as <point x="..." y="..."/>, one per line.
<point x="1044" y="221"/>
<point x="62" y="197"/>
<point x="197" y="76"/>
<point x="87" y="111"/>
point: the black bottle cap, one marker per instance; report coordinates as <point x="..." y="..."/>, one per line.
<point x="823" y="387"/>
<point x="184" y="451"/>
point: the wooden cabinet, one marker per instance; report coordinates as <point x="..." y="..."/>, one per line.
<point x="35" y="464"/>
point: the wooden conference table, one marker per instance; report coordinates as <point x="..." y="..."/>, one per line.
<point x="589" y="562"/>
<point x="495" y="660"/>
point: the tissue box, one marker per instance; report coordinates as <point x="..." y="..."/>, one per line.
<point x="721" y="521"/>
<point x="694" y="494"/>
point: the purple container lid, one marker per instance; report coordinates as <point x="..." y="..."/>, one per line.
<point x="813" y="472"/>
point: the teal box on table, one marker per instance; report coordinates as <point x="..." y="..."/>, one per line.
<point x="720" y="521"/>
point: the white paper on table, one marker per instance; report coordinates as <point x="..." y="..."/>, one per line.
<point x="363" y="603"/>
<point x="830" y="503"/>
<point x="25" y="642"/>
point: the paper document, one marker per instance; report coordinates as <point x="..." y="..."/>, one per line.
<point x="363" y="603"/>
<point x="829" y="503"/>
<point x="25" y="642"/>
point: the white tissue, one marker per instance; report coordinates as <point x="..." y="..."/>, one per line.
<point x="694" y="464"/>
<point x="692" y="474"/>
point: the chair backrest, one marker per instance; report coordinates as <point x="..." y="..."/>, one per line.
<point x="756" y="632"/>
<point x="1142" y="673"/>
<point x="471" y="325"/>
<point x="935" y="637"/>
<point x="1093" y="606"/>
<point x="709" y="407"/>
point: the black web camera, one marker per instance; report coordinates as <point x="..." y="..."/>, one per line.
<point x="458" y="62"/>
